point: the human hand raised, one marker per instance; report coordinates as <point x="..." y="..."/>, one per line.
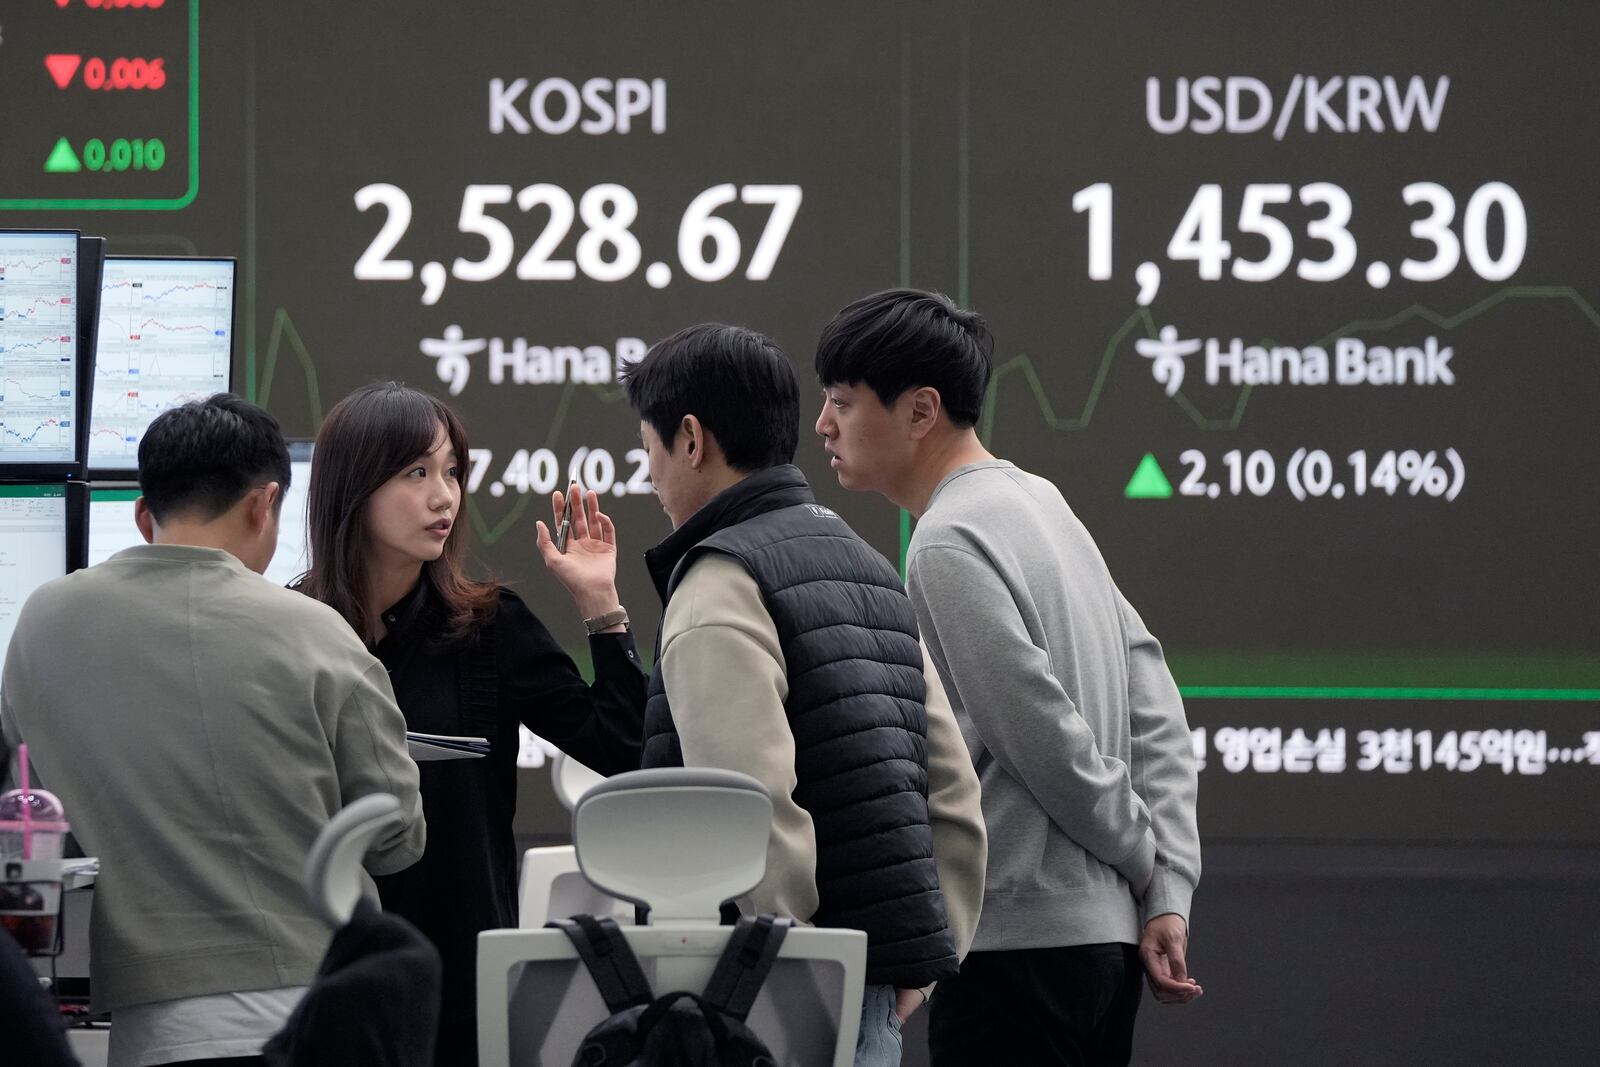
<point x="587" y="570"/>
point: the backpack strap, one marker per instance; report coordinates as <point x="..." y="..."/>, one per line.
<point x="752" y="948"/>
<point x="612" y="964"/>
<point x="709" y="1013"/>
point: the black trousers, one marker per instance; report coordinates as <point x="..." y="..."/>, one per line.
<point x="1039" y="1006"/>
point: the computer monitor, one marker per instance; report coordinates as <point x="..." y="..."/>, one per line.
<point x="91" y="261"/>
<point x="165" y="338"/>
<point x="111" y="526"/>
<point x="293" y="557"/>
<point x="36" y="534"/>
<point x="39" y="352"/>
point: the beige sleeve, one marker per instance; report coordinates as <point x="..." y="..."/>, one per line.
<point x="727" y="682"/>
<point x="955" y="810"/>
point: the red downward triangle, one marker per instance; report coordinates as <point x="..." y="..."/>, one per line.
<point x="62" y="68"/>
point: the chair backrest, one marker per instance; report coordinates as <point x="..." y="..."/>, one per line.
<point x="571" y="779"/>
<point x="536" y="999"/>
<point x="552" y="887"/>
<point x="680" y="840"/>
<point x="335" y="879"/>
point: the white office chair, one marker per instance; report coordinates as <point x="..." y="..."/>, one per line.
<point x="551" y="885"/>
<point x="680" y="841"/>
<point x="376" y="961"/>
<point x="571" y="779"/>
<point x="335" y="879"/>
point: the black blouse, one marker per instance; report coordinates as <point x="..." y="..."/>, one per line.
<point x="512" y="671"/>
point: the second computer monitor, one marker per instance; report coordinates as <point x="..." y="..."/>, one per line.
<point x="293" y="557"/>
<point x="165" y="338"/>
<point x="111" y="525"/>
<point x="35" y="537"/>
<point x="112" y="529"/>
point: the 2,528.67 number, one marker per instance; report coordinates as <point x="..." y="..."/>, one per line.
<point x="607" y="250"/>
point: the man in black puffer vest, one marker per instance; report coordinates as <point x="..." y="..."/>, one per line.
<point x="789" y="651"/>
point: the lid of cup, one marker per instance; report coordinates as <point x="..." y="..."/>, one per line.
<point x="42" y="803"/>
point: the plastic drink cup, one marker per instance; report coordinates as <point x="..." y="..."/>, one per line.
<point x="32" y="825"/>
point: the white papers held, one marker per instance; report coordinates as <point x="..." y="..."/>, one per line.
<point x="444" y="746"/>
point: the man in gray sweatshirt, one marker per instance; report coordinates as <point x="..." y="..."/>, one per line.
<point x="1066" y="704"/>
<point x="201" y="726"/>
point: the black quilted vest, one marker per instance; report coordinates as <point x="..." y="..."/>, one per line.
<point x="855" y="706"/>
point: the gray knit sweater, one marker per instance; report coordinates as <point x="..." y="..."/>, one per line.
<point x="1073" y="720"/>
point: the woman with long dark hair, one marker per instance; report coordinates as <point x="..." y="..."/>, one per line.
<point x="465" y="657"/>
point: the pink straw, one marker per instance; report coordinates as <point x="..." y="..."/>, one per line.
<point x="27" y="802"/>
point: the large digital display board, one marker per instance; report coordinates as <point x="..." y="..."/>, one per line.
<point x="1299" y="312"/>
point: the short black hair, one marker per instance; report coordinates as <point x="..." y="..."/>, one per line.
<point x="204" y="456"/>
<point x="903" y="339"/>
<point x="737" y="382"/>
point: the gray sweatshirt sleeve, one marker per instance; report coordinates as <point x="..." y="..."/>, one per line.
<point x="1164" y="770"/>
<point x="1020" y="711"/>
<point x="370" y="756"/>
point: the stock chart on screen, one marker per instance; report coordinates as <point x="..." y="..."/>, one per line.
<point x="165" y="338"/>
<point x="38" y="347"/>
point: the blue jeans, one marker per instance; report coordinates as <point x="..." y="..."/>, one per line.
<point x="878" y="1042"/>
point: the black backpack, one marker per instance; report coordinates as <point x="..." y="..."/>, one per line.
<point x="678" y="1029"/>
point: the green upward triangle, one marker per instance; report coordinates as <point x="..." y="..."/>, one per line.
<point x="63" y="160"/>
<point x="1148" y="482"/>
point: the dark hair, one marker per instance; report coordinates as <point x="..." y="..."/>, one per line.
<point x="369" y="437"/>
<point x="204" y="456"/>
<point x="903" y="339"/>
<point x="737" y="382"/>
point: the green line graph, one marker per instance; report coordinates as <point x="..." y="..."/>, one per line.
<point x="283" y="331"/>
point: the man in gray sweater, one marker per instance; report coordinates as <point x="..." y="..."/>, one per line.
<point x="1066" y="704"/>
<point x="201" y="725"/>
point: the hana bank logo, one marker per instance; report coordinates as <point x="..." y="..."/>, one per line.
<point x="452" y="351"/>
